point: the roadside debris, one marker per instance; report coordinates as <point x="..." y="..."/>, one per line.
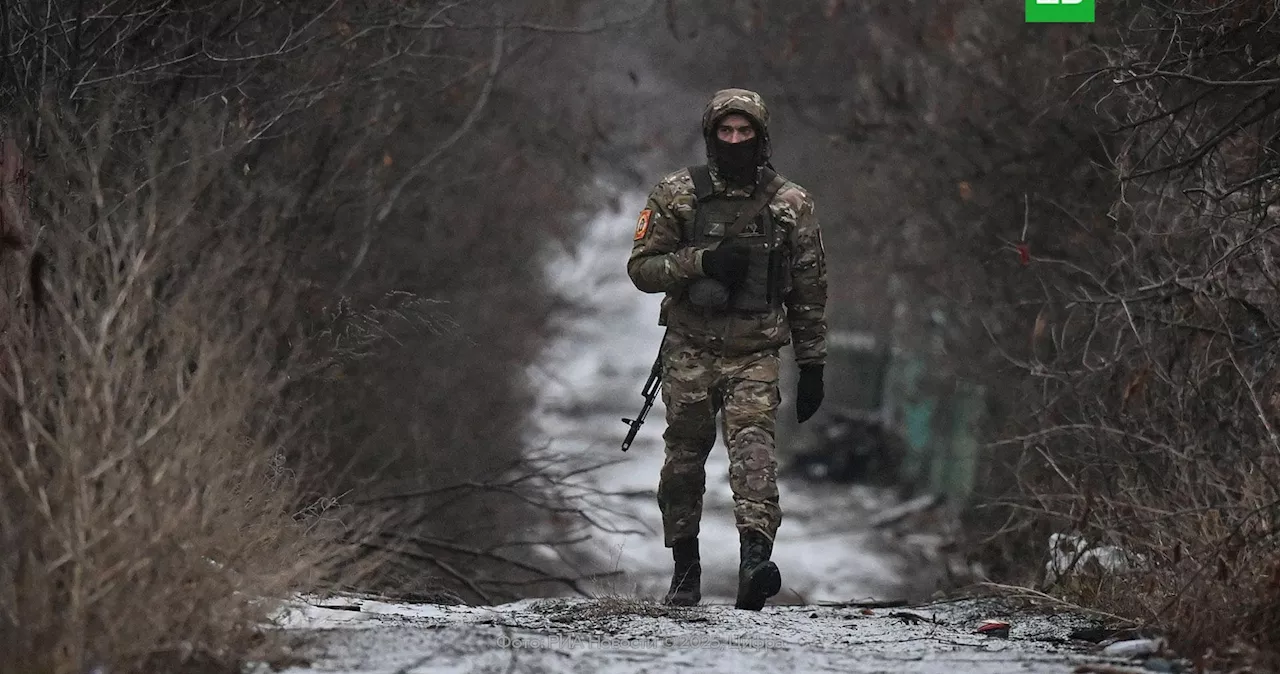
<point x="1093" y="635"/>
<point x="994" y="628"/>
<point x="892" y="515"/>
<point x="1071" y="553"/>
<point x="1142" y="651"/>
<point x="1152" y="665"/>
<point x="868" y="603"/>
<point x="1134" y="648"/>
<point x="911" y="618"/>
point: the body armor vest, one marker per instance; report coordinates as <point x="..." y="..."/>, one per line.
<point x="759" y="291"/>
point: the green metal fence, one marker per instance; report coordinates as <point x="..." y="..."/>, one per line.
<point x="936" y="414"/>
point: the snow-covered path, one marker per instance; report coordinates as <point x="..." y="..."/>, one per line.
<point x="592" y="378"/>
<point x="621" y="637"/>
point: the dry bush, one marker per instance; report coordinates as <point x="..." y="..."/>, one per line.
<point x="517" y="532"/>
<point x="386" y="130"/>
<point x="299" y="312"/>
<point x="142" y="495"/>
<point x="1152" y="352"/>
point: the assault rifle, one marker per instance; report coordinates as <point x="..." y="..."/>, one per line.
<point x="650" y="391"/>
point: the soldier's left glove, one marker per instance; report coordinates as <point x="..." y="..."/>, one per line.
<point x="808" y="392"/>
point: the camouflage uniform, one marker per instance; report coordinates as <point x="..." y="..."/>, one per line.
<point x="726" y="361"/>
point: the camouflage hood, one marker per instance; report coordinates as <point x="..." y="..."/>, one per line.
<point x="741" y="101"/>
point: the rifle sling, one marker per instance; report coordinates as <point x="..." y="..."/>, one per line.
<point x="770" y="183"/>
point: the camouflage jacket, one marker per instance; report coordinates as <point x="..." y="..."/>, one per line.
<point x="663" y="262"/>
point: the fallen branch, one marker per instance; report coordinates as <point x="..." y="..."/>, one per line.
<point x="1029" y="593"/>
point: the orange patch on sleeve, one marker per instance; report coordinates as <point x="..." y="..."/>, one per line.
<point x="642" y="224"/>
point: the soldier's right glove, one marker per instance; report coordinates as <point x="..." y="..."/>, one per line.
<point x="808" y="392"/>
<point x="726" y="264"/>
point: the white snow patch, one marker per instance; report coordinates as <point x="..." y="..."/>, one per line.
<point x="614" y="638"/>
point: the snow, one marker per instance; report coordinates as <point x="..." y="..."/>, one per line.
<point x="623" y="636"/>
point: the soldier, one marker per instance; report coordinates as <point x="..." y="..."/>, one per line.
<point x="737" y="250"/>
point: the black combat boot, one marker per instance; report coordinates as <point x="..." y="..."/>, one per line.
<point x="758" y="578"/>
<point x="686" y="580"/>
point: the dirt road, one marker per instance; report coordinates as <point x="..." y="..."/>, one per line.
<point x="620" y="635"/>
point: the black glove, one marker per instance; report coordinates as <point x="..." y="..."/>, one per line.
<point x="726" y="264"/>
<point x="808" y="392"/>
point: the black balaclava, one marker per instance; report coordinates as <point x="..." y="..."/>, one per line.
<point x="739" y="163"/>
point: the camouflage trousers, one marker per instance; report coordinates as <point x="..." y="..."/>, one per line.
<point x="698" y="384"/>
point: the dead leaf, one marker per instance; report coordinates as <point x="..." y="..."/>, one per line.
<point x="1134" y="385"/>
<point x="1042" y="324"/>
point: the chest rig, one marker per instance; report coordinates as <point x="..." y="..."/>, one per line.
<point x="716" y="222"/>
